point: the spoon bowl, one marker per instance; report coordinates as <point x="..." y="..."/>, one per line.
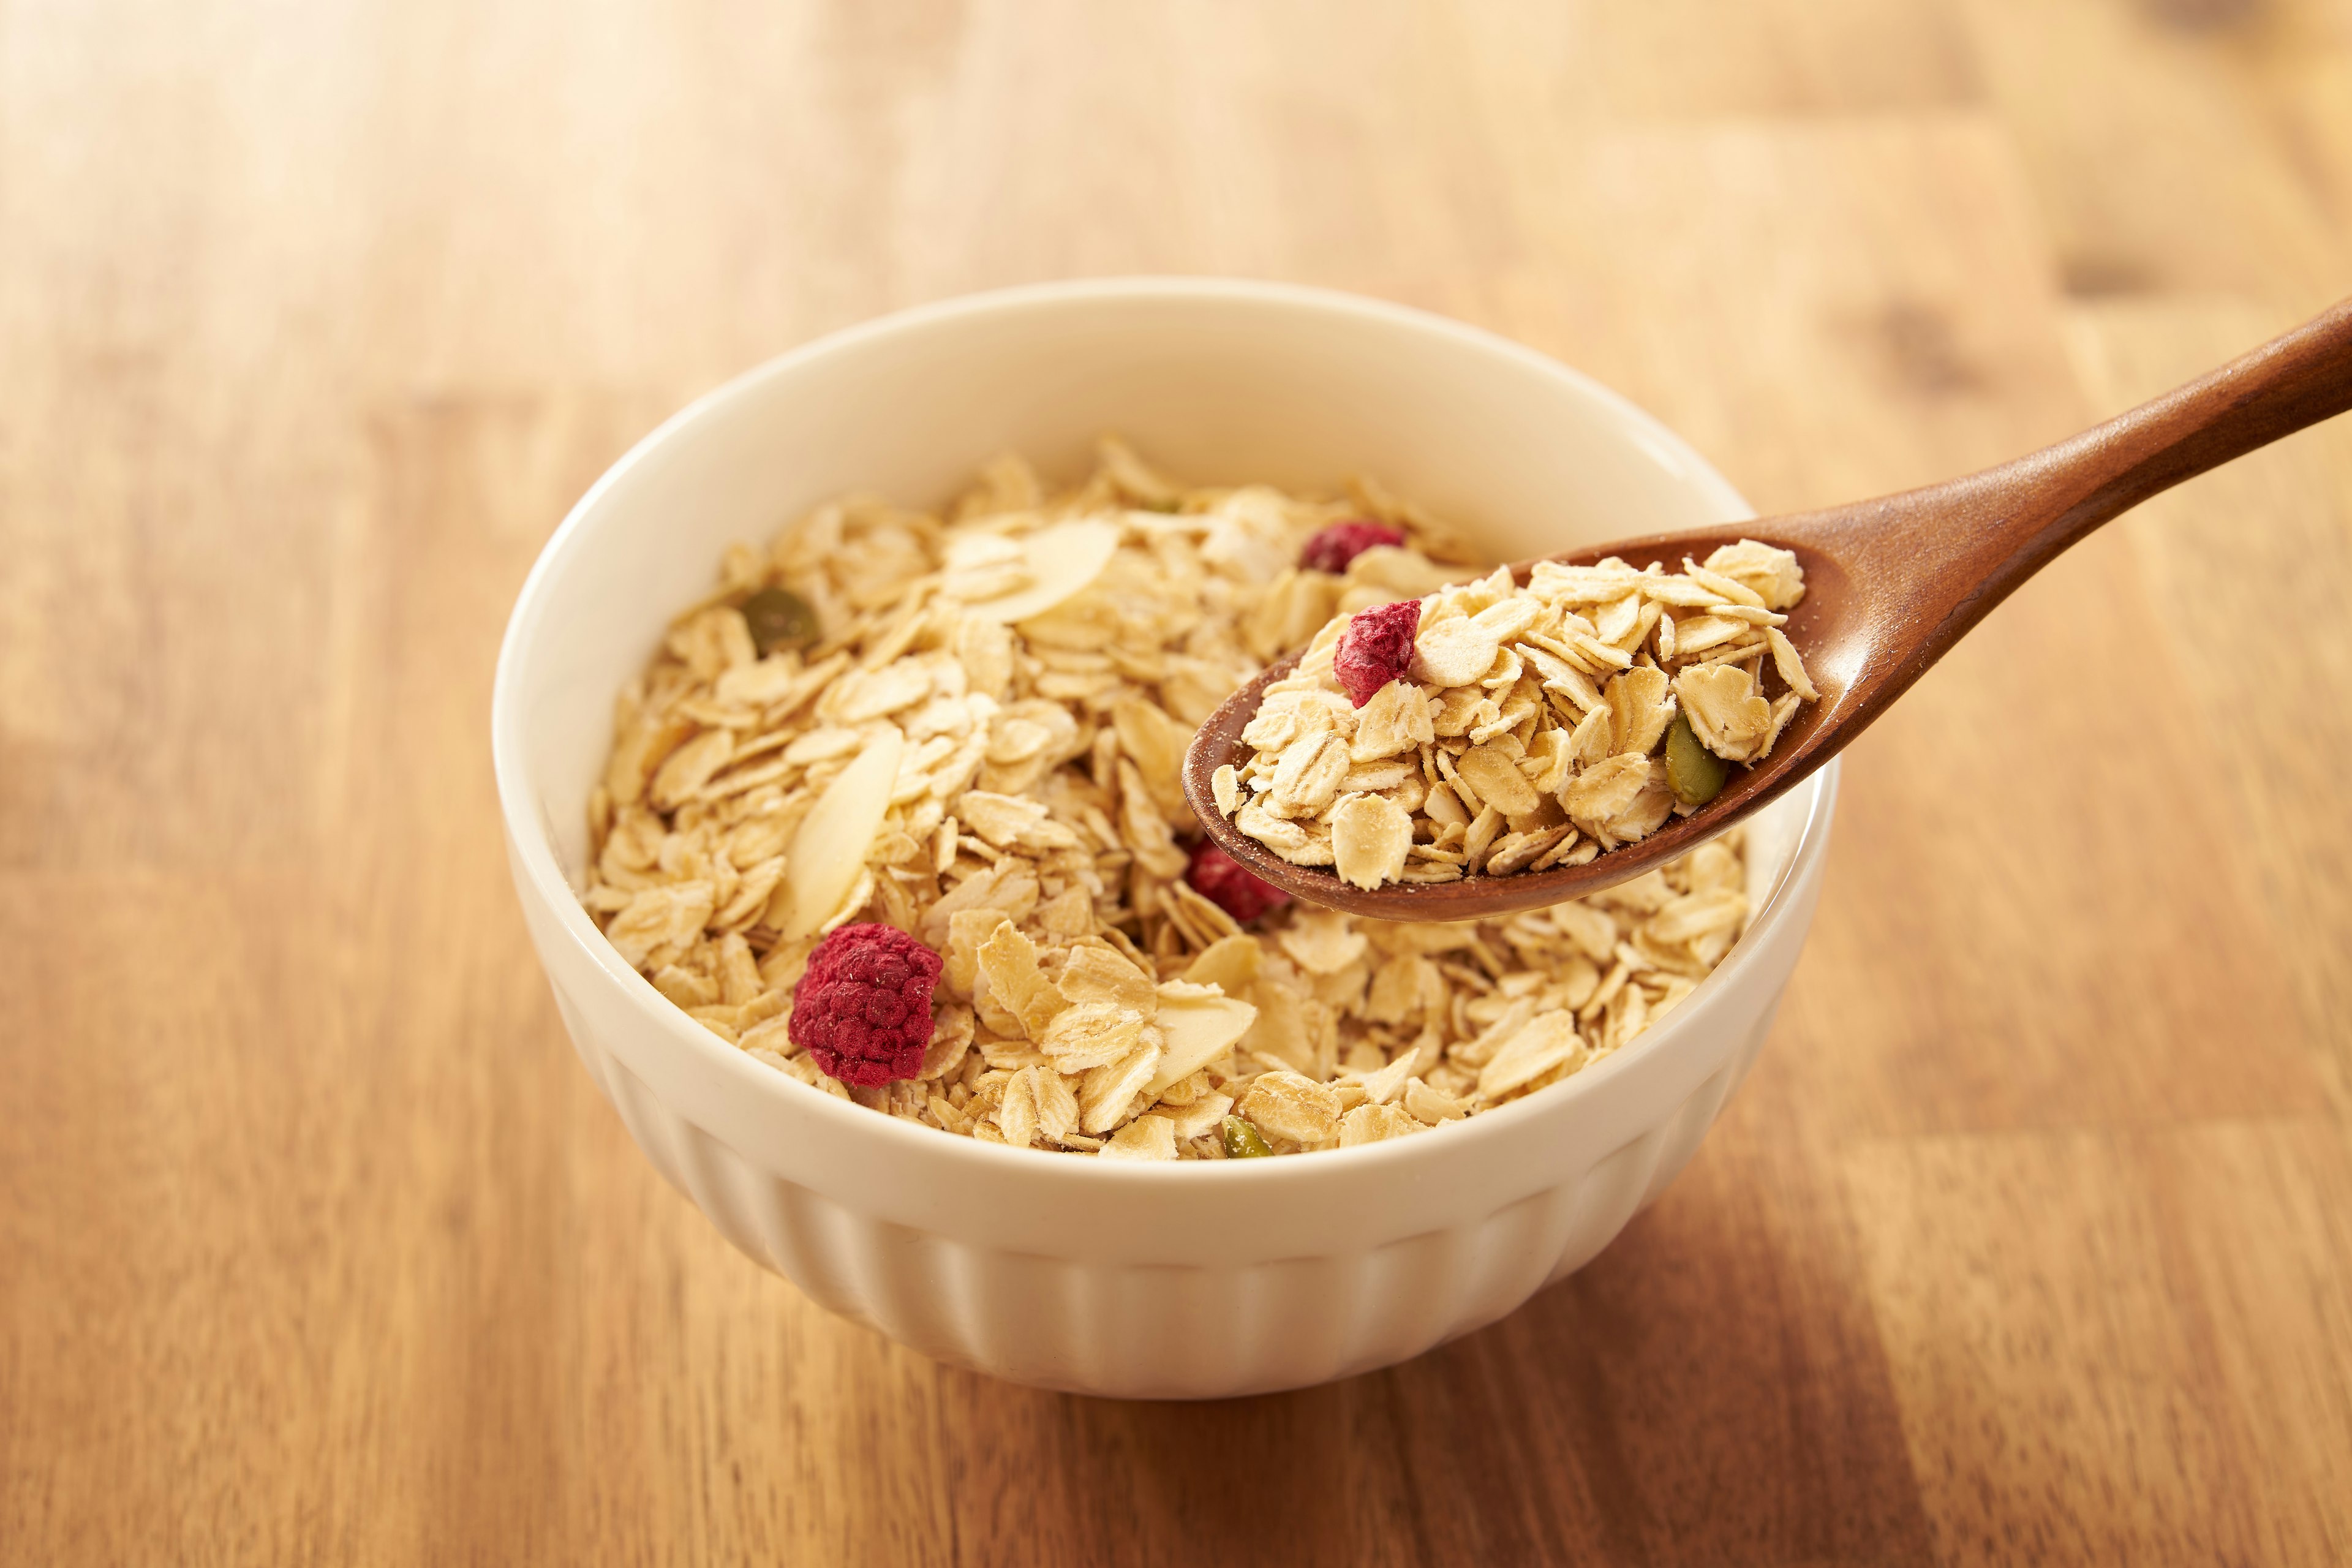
<point x="1818" y="624"/>
<point x="1891" y="585"/>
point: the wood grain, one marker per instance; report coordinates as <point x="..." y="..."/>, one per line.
<point x="2026" y="1241"/>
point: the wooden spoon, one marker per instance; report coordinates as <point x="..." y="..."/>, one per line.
<point x="1890" y="585"/>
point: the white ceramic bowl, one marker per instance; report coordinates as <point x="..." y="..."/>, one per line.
<point x="1178" y="1280"/>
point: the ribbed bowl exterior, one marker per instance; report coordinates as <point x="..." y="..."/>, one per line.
<point x="1186" y="1327"/>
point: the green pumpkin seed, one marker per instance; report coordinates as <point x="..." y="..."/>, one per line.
<point x="1695" y="773"/>
<point x="1242" y="1141"/>
<point x="779" y="618"/>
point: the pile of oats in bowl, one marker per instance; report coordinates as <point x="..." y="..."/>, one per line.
<point x="896" y="810"/>
<point x="1491" y="729"/>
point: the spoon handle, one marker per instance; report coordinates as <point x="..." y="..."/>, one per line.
<point x="2293" y="381"/>
<point x="1944" y="556"/>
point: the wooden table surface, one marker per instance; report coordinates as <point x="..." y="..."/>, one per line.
<point x="2029" y="1238"/>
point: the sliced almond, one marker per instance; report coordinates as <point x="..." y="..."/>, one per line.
<point x="829" y="850"/>
<point x="1230" y="963"/>
<point x="1062" y="560"/>
<point x="1197" y="1026"/>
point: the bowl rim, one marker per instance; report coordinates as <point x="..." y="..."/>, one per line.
<point x="541" y="876"/>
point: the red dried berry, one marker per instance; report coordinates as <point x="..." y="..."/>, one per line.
<point x="1219" y="878"/>
<point x="863" y="1009"/>
<point x="1376" y="648"/>
<point x="1331" y="549"/>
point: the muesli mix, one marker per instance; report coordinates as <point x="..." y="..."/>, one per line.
<point x="1490" y="729"/>
<point x="896" y="810"/>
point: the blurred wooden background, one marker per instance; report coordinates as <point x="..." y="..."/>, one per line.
<point x="2029" y="1241"/>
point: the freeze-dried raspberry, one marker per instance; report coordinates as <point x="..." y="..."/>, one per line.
<point x="1219" y="878"/>
<point x="863" y="1009"/>
<point x="1331" y="549"/>
<point x="1375" y="648"/>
